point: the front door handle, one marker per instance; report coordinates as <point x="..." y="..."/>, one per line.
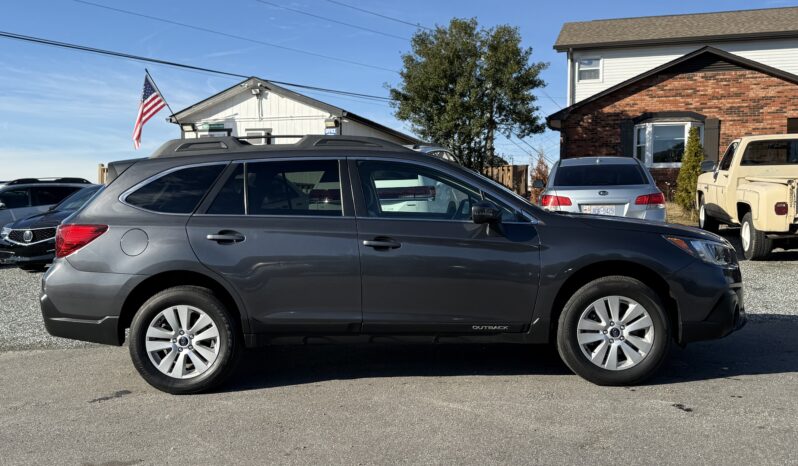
<point x="382" y="243"/>
<point x="226" y="237"/>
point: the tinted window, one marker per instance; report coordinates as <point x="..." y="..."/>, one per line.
<point x="308" y="187"/>
<point x="600" y="175"/>
<point x="47" y="195"/>
<point x="15" y="198"/>
<point x="177" y="192"/>
<point x="400" y="190"/>
<point x="76" y="200"/>
<point x="771" y="153"/>
<point x="230" y="200"/>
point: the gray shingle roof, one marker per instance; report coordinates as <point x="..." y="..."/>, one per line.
<point x="772" y="22"/>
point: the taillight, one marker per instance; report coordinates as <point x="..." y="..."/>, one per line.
<point x="652" y="200"/>
<point x="781" y="208"/>
<point x="70" y="238"/>
<point x="547" y="200"/>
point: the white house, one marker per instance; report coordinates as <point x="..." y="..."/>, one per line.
<point x="266" y="113"/>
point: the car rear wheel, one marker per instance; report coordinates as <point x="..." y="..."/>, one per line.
<point x="613" y="331"/>
<point x="755" y="244"/>
<point x="183" y="340"/>
<point x="706" y="221"/>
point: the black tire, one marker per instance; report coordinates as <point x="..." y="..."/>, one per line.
<point x="229" y="341"/>
<point x="567" y="331"/>
<point x="706" y="221"/>
<point x="758" y="245"/>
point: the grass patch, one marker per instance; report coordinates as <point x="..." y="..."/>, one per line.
<point x="675" y="214"/>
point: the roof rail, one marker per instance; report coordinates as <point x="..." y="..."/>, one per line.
<point x="185" y="147"/>
<point x="48" y="180"/>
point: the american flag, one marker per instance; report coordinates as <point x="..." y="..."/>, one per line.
<point x="151" y="103"/>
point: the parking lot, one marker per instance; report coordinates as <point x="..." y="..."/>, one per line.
<point x="730" y="401"/>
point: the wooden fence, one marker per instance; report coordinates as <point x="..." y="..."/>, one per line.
<point x="514" y="177"/>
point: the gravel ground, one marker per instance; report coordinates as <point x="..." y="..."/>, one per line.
<point x="769" y="294"/>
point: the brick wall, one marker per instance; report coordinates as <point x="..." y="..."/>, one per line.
<point x="745" y="101"/>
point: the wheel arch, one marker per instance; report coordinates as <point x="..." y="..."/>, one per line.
<point x="742" y="209"/>
<point x="624" y="268"/>
<point x="169" y="279"/>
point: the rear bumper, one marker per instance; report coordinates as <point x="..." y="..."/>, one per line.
<point x="104" y="330"/>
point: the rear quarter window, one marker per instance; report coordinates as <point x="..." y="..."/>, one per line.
<point x="177" y="192"/>
<point x="600" y="175"/>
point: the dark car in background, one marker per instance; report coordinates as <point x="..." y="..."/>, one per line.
<point x="30" y="243"/>
<point x="24" y="197"/>
<point x="210" y="246"/>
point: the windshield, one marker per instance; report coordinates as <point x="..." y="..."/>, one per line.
<point x="600" y="175"/>
<point x="76" y="200"/>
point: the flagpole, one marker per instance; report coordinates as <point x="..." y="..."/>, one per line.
<point x="162" y="96"/>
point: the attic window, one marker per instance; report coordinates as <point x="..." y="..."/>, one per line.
<point x="588" y="69"/>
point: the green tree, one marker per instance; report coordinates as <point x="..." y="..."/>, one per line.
<point x="688" y="173"/>
<point x="461" y="85"/>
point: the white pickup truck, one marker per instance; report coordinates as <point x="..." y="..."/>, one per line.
<point x="754" y="186"/>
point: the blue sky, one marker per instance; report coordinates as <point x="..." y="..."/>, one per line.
<point x="63" y="112"/>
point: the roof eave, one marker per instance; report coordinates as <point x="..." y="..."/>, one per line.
<point x="564" y="47"/>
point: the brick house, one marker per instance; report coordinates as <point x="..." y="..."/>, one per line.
<point x="725" y="84"/>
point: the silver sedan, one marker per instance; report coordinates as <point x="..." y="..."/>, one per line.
<point x="619" y="186"/>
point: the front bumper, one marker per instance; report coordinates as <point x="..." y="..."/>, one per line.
<point x="39" y="253"/>
<point x="727" y="316"/>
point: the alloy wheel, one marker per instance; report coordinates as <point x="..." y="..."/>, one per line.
<point x="615" y="333"/>
<point x="701" y="216"/>
<point x="182" y="342"/>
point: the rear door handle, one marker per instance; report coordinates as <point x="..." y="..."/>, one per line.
<point x="226" y="237"/>
<point x="382" y="243"/>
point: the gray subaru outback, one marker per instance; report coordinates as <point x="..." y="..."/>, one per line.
<point x="211" y="246"/>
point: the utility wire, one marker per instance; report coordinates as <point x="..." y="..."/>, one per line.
<point x="82" y="48"/>
<point x="374" y="13"/>
<point x="324" y="18"/>
<point x="234" y="36"/>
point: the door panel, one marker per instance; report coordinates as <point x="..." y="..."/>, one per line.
<point x="293" y="274"/>
<point x="448" y="276"/>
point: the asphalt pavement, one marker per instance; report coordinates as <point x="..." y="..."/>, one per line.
<point x="731" y="401"/>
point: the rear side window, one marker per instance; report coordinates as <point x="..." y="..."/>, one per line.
<point x="46" y="195"/>
<point x="177" y="192"/>
<point x="15" y="198"/>
<point x="307" y="187"/>
<point x="771" y="153"/>
<point x="600" y="175"/>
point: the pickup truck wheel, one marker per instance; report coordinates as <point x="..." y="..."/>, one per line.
<point x="613" y="331"/>
<point x="755" y="244"/>
<point x="183" y="340"/>
<point x="706" y="221"/>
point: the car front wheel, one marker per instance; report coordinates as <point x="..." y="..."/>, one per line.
<point x="183" y="340"/>
<point x="613" y="331"/>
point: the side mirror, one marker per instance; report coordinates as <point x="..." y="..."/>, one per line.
<point x="538" y="184"/>
<point x="485" y="212"/>
<point x="707" y="166"/>
<point x="2" y="205"/>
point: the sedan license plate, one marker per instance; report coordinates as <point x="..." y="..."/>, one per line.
<point x="598" y="209"/>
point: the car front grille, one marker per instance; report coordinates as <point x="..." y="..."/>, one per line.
<point x="37" y="235"/>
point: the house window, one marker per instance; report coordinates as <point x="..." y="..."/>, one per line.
<point x="588" y="69"/>
<point x="661" y="144"/>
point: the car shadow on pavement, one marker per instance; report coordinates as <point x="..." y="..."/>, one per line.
<point x="765" y="346"/>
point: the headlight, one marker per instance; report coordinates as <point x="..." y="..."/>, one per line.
<point x="4" y="232"/>
<point x="711" y="252"/>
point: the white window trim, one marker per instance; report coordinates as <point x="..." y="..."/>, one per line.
<point x="600" y="70"/>
<point x="648" y="158"/>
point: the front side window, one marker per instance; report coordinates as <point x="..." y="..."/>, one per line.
<point x="784" y="152"/>
<point x="588" y="69"/>
<point x="662" y="144"/>
<point x="306" y="187"/>
<point x="15" y="198"/>
<point x="726" y="160"/>
<point x="177" y="192"/>
<point x="401" y="190"/>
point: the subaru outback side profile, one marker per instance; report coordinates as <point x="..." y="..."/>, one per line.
<point x="212" y="246"/>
